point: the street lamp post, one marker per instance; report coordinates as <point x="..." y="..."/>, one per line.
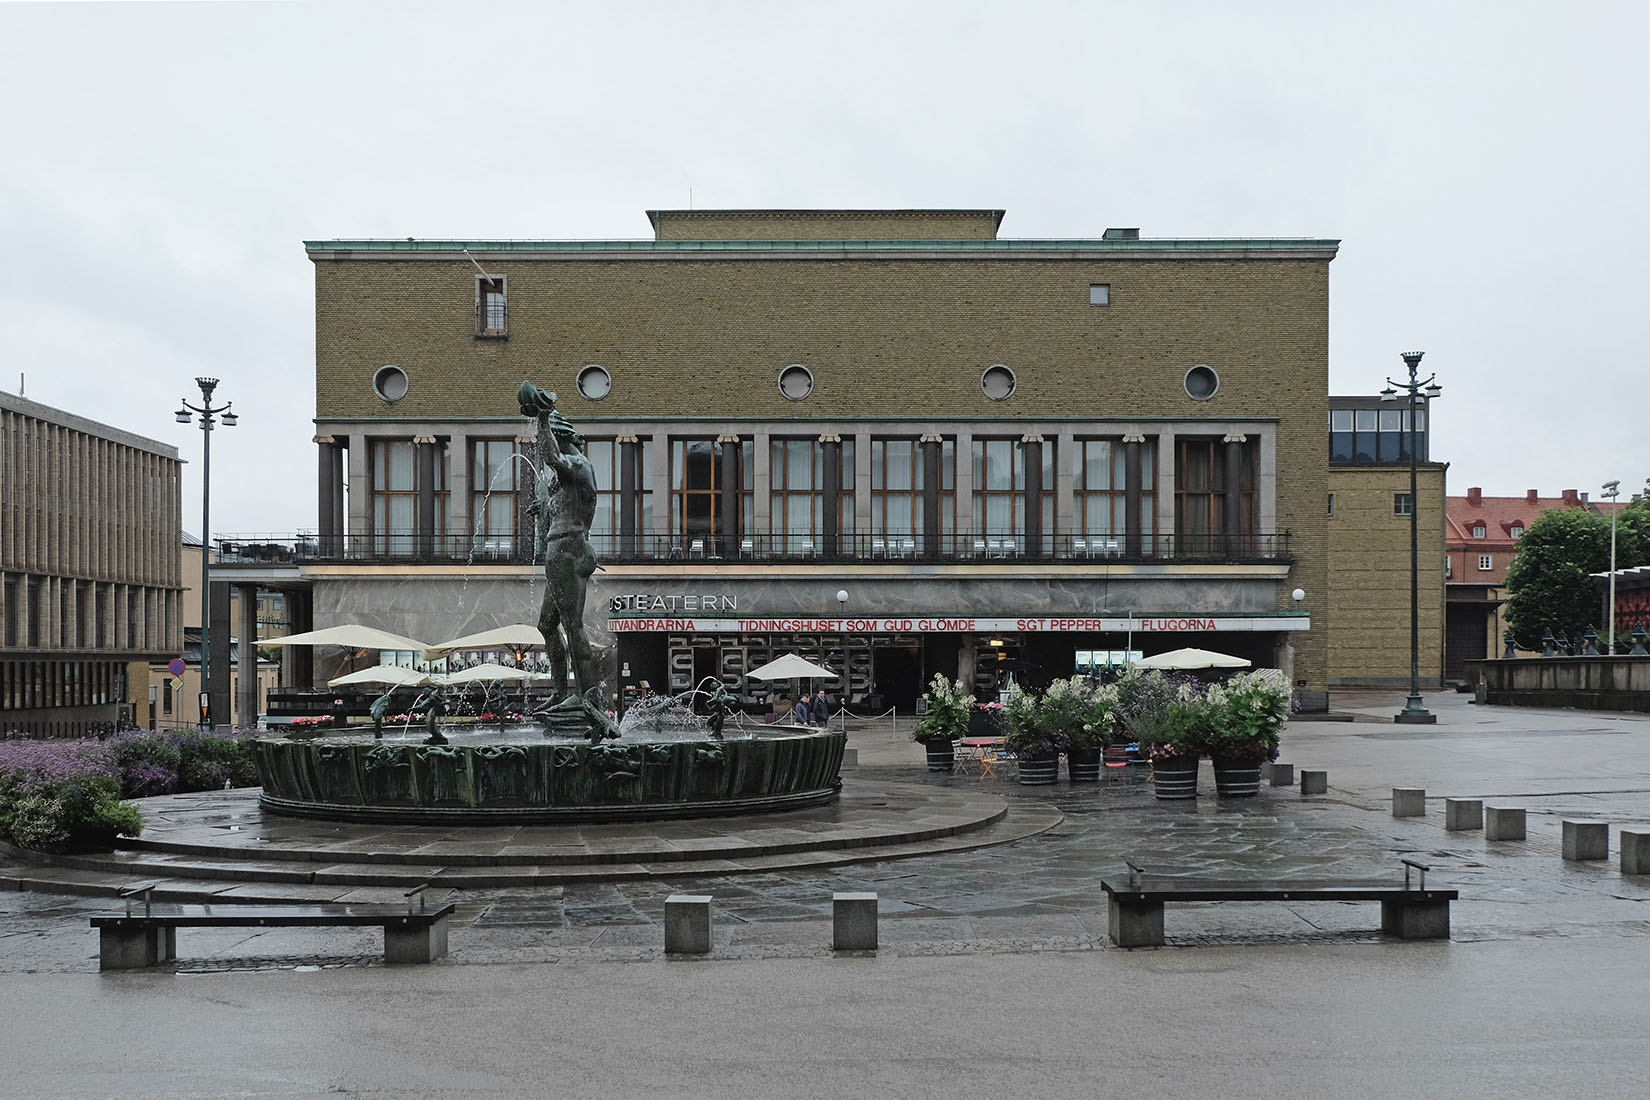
<point x="1417" y="396"/>
<point x="209" y="416"/>
<point x="1612" y="489"/>
<point x="842" y="701"/>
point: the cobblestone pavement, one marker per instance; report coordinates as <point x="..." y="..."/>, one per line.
<point x="1043" y="893"/>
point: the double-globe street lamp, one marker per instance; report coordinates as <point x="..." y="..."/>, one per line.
<point x="209" y="417"/>
<point x="1417" y="397"/>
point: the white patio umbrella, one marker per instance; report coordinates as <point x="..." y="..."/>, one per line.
<point x="388" y="675"/>
<point x="788" y="667"/>
<point x="1184" y="660"/>
<point x="484" y="673"/>
<point x="351" y="636"/>
<point x="513" y="637"/>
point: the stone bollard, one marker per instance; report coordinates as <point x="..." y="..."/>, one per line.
<point x="1584" y="840"/>
<point x="1409" y="802"/>
<point x="1635" y="852"/>
<point x="1283" y="775"/>
<point x="853" y="922"/>
<point x="850" y="758"/>
<point x="1463" y="814"/>
<point x="1314" y="782"/>
<point x="687" y="924"/>
<point x="1503" y="823"/>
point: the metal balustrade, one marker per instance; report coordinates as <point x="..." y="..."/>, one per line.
<point x="872" y="548"/>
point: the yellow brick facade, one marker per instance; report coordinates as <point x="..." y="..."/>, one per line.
<point x="1369" y="586"/>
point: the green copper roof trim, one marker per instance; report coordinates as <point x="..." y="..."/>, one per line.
<point x="1089" y="244"/>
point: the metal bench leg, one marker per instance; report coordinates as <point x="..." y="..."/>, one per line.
<point x="1135" y="924"/>
<point x="419" y="944"/>
<point x="126" y="948"/>
<point x="1416" y="920"/>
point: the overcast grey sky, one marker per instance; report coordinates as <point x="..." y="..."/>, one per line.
<point x="1484" y="165"/>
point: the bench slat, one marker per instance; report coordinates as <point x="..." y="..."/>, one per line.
<point x="296" y="916"/>
<point x="1168" y="889"/>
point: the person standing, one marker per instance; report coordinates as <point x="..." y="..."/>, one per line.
<point x="821" y="709"/>
<point x="799" y="716"/>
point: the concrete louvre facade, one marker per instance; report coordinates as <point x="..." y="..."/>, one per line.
<point x="1047" y="511"/>
<point x="89" y="568"/>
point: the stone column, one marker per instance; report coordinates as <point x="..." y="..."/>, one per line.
<point x="459" y="525"/>
<point x="1165" y="492"/>
<point x="1031" y="447"/>
<point x="1131" y="495"/>
<point x="763" y="480"/>
<point x="329" y="476"/>
<point x="832" y="496"/>
<point x="630" y="456"/>
<point x="727" y="514"/>
<point x="217" y="616"/>
<point x="524" y="547"/>
<point x="967" y="659"/>
<point x="1231" y="520"/>
<point x="246" y="658"/>
<point x="424" y="448"/>
<point x="359" y="499"/>
<point x="965" y="492"/>
<point x="932" y="478"/>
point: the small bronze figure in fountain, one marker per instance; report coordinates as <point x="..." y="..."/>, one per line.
<point x="564" y="505"/>
<point x="720" y="704"/>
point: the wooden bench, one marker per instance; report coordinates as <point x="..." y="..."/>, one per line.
<point x="1135" y="906"/>
<point x="146" y="935"/>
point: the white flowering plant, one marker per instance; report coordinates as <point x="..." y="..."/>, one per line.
<point x="946" y="719"/>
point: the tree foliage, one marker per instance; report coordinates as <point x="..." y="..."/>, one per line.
<point x="1550" y="584"/>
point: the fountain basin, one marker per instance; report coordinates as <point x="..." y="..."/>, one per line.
<point x="548" y="782"/>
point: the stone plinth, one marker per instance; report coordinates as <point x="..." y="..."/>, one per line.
<point x="1585" y="840"/>
<point x="1503" y="823"/>
<point x="1635" y="852"/>
<point x="1463" y="815"/>
<point x="1283" y="775"/>
<point x="1314" y="782"/>
<point x="853" y="922"/>
<point x="687" y="924"/>
<point x="1409" y="802"/>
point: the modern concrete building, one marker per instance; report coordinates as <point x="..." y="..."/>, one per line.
<point x="889" y="439"/>
<point x="1369" y="510"/>
<point x="89" y="568"/>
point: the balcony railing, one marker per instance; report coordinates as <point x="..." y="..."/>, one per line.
<point x="259" y="550"/>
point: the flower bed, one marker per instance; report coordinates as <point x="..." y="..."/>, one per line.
<point x="60" y="794"/>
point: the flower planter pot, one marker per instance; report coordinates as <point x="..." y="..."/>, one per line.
<point x="1040" y="771"/>
<point x="1175" y="778"/>
<point x="1237" y="776"/>
<point x="942" y="755"/>
<point x="1083" y="765"/>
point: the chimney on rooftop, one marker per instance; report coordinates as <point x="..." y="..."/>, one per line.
<point x="1475" y="496"/>
<point x="1532" y="495"/>
<point x="1570" y="498"/>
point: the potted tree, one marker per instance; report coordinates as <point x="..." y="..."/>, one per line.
<point x="945" y="720"/>
<point x="1032" y="738"/>
<point x="1087" y="714"/>
<point x="1170" y="722"/>
<point x="1251" y="711"/>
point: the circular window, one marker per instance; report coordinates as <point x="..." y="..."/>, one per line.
<point x="997" y="382"/>
<point x="390" y="383"/>
<point x="795" y="382"/>
<point x="1202" y="382"/>
<point x="594" y="382"/>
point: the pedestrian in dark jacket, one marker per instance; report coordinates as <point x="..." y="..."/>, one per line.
<point x="799" y="716"/>
<point x="821" y="709"/>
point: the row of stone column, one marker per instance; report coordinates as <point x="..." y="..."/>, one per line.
<point x="51" y="612"/>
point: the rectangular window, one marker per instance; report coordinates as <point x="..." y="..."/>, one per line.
<point x="698" y="512"/>
<point x="395" y="491"/>
<point x="1099" y="294"/>
<point x="797" y="495"/>
<point x="166" y="696"/>
<point x="491" y="305"/>
<point x="1102" y="505"/>
<point x="495" y="478"/>
<point x="999" y="485"/>
<point x="1484" y="563"/>
<point x="1331" y="503"/>
<point x="1478" y="530"/>
<point x="1400" y="504"/>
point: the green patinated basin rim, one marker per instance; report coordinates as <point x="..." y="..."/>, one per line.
<point x="547" y="781"/>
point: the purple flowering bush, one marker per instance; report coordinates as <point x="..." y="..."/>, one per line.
<point x="54" y="794"/>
